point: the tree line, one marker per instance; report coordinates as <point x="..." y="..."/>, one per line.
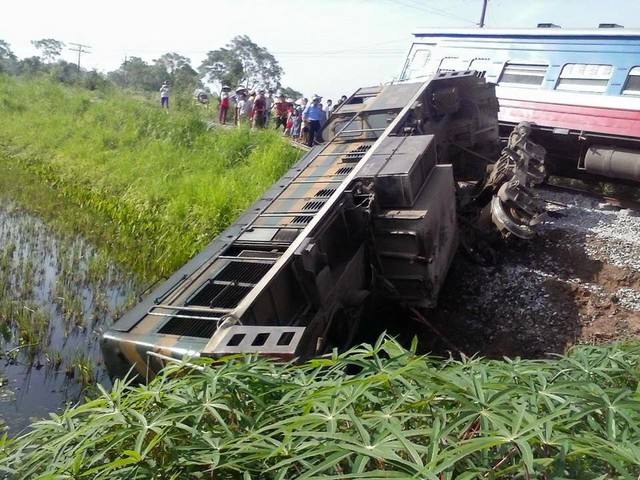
<point x="240" y="62"/>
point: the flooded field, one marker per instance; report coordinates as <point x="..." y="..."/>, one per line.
<point x="56" y="296"/>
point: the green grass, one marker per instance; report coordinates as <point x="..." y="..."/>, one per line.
<point x="375" y="412"/>
<point x="152" y="188"/>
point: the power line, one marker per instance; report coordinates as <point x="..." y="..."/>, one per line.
<point x="80" y="48"/>
<point x="432" y="11"/>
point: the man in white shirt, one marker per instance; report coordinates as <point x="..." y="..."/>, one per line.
<point x="165" y="90"/>
<point x="244" y="109"/>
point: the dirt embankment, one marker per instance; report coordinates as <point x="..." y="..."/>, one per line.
<point x="578" y="281"/>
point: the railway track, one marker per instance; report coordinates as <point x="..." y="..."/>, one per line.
<point x="625" y="203"/>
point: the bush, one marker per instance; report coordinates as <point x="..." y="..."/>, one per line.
<point x="398" y="416"/>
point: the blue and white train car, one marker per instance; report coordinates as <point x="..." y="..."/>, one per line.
<point x="580" y="87"/>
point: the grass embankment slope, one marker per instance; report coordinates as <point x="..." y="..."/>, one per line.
<point x="152" y="188"/>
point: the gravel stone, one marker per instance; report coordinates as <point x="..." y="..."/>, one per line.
<point x="577" y="281"/>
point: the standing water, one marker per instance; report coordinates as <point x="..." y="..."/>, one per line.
<point x="57" y="295"/>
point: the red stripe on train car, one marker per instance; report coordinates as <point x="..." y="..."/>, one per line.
<point x="589" y="119"/>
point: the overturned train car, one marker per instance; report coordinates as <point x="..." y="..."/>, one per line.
<point x="371" y="213"/>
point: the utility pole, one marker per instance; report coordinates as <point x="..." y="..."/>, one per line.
<point x="80" y="49"/>
<point x="484" y="12"/>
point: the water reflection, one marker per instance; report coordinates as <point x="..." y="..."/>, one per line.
<point x="56" y="296"/>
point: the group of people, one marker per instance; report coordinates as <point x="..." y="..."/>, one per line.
<point x="300" y="119"/>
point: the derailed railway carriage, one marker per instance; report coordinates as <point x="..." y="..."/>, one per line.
<point x="374" y="214"/>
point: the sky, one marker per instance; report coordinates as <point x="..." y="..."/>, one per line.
<point x="326" y="47"/>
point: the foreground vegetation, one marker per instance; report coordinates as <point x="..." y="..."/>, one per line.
<point x="153" y="188"/>
<point x="375" y="412"/>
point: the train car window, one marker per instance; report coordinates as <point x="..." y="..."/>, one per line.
<point x="523" y="75"/>
<point x="584" y="77"/>
<point x="632" y="85"/>
<point x="451" y="64"/>
<point x="416" y="66"/>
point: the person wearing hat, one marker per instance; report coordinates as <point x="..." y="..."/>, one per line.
<point x="243" y="107"/>
<point x="281" y="111"/>
<point x="237" y="98"/>
<point x="313" y="117"/>
<point x="259" y="109"/>
<point x="224" y="104"/>
<point x="165" y="90"/>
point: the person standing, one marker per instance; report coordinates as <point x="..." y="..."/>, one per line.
<point x="165" y="90"/>
<point x="259" y="110"/>
<point x="269" y="105"/>
<point x="328" y="108"/>
<point x="301" y="133"/>
<point x="296" y="129"/>
<point x="313" y="116"/>
<point x="245" y="106"/>
<point x="224" y="105"/>
<point x="248" y="108"/>
<point x="238" y="99"/>
<point x="281" y="112"/>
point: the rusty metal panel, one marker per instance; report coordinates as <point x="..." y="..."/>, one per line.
<point x="399" y="168"/>
<point x="416" y="246"/>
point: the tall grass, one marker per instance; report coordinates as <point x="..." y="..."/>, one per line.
<point x="56" y="294"/>
<point x="160" y="186"/>
<point x="376" y="412"/>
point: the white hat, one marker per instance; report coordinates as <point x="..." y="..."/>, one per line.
<point x="316" y="97"/>
<point x="289" y="100"/>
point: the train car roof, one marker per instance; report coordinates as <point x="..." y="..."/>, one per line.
<point x="586" y="33"/>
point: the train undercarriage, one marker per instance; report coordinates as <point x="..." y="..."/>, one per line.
<point x="406" y="175"/>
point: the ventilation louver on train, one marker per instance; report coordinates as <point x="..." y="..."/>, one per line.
<point x="301" y="219"/>
<point x="344" y="171"/>
<point x="313" y="205"/>
<point x="220" y="293"/>
<point x="325" y="192"/>
<point x="356" y="154"/>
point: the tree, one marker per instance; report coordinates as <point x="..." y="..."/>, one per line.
<point x="94" y="80"/>
<point x="242" y="62"/>
<point x="137" y="73"/>
<point x="171" y="63"/>
<point x="50" y="48"/>
<point x="7" y="57"/>
<point x="65" y="72"/>
<point x="5" y="51"/>
<point x="178" y="70"/>
<point x="30" y="66"/>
